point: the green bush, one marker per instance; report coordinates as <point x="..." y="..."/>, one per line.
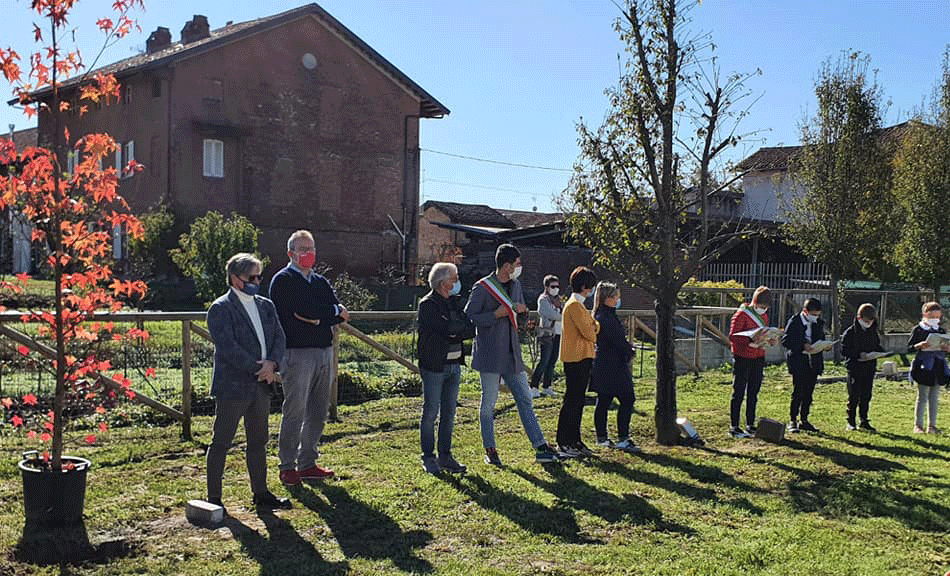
<point x="712" y="299"/>
<point x="206" y="248"/>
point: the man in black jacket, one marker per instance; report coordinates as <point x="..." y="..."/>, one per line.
<point x="857" y="341"/>
<point x="804" y="363"/>
<point x="307" y="308"/>
<point x="443" y="326"/>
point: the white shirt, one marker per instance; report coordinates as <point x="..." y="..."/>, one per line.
<point x="807" y="328"/>
<point x="579" y="297"/>
<point x="251" y="307"/>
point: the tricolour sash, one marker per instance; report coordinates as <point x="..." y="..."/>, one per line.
<point x="751" y="313"/>
<point x="497" y="291"/>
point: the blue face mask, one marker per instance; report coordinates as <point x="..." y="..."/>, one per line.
<point x="456" y="288"/>
<point x="251" y="289"/>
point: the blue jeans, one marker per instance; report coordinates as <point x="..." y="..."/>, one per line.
<point x="440" y="392"/>
<point x="518" y="384"/>
<point x="549" y="348"/>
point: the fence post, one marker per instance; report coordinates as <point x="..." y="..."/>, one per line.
<point x="186" y="379"/>
<point x="698" y="348"/>
<point x="882" y="313"/>
<point x="335" y="381"/>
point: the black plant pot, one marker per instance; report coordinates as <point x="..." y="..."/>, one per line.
<point x="54" y="499"/>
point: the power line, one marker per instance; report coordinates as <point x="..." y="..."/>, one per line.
<point x="482" y="186"/>
<point x="514" y="164"/>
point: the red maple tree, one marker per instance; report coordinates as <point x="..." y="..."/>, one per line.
<point x="72" y="214"/>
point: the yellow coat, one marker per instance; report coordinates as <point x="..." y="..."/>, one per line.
<point x="578" y="332"/>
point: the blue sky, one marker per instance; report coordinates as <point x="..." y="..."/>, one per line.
<point x="518" y="75"/>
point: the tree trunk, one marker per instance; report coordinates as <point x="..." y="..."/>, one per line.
<point x="667" y="432"/>
<point x="835" y="320"/>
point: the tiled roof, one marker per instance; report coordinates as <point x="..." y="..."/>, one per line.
<point x="24" y="138"/>
<point x="523" y="219"/>
<point x="470" y="214"/>
<point x="429" y="106"/>
<point x="779" y="158"/>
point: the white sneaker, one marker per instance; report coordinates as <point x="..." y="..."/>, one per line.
<point x="627" y="445"/>
<point x="548" y="392"/>
<point x="535" y="393"/>
<point x="608" y="443"/>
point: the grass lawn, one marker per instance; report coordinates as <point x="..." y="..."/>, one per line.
<point x="837" y="503"/>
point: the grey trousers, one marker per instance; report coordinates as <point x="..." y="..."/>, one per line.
<point x="227" y="413"/>
<point x="307" y="380"/>
<point x="928" y="397"/>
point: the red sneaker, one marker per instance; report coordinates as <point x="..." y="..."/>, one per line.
<point x="289" y="477"/>
<point x="315" y="472"/>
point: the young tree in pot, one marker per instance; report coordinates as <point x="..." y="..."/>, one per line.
<point x="73" y="207"/>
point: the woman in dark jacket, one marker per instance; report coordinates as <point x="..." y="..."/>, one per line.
<point x="443" y="326"/>
<point x="611" y="372"/>
<point x="929" y="369"/>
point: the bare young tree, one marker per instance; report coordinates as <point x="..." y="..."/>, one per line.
<point x="642" y="193"/>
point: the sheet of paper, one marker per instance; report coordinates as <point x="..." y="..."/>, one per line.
<point x="875" y="355"/>
<point x="821" y="346"/>
<point x="934" y="340"/>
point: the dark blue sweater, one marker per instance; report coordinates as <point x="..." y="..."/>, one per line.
<point x="315" y="300"/>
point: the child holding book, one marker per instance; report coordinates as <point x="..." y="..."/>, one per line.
<point x="804" y="362"/>
<point x="611" y="374"/>
<point x="859" y="340"/>
<point x="748" y="356"/>
<point x="929" y="369"/>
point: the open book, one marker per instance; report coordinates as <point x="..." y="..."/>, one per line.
<point x="868" y="356"/>
<point x="936" y="340"/>
<point x="761" y="336"/>
<point x="822" y="346"/>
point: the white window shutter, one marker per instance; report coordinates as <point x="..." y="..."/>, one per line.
<point x="117" y="238"/>
<point x="118" y="159"/>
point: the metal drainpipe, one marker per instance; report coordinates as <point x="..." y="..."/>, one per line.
<point x="404" y="249"/>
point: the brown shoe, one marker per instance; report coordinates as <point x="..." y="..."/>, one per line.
<point x="315" y="472"/>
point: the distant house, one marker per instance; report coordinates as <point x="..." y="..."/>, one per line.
<point x="767" y="185"/>
<point x="291" y="120"/>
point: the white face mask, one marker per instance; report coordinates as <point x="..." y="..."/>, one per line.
<point x="553" y="291"/>
<point x="761" y="311"/>
<point x="864" y="323"/>
<point x="516" y="273"/>
<point x="812" y="318"/>
<point x="932" y="322"/>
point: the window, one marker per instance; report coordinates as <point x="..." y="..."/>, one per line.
<point x="72" y="159"/>
<point x="129" y="157"/>
<point x="118" y="159"/>
<point x="156" y="87"/>
<point x="213" y="158"/>
<point x="118" y="242"/>
<point x="127" y="95"/>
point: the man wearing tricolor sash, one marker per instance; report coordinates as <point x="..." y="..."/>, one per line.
<point x="493" y="306"/>
<point x="748" y="359"/>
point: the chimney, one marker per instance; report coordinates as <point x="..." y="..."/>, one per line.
<point x="160" y="39"/>
<point x="196" y="29"/>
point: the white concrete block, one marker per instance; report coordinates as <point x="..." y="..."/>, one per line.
<point x="201" y="512"/>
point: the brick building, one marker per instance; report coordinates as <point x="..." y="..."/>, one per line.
<point x="290" y="120"/>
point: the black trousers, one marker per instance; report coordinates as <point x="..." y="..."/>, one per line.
<point x="625" y="396"/>
<point x="803" y="387"/>
<point x="549" y="347"/>
<point x="746" y="383"/>
<point x="576" y="379"/>
<point x="860" y="383"/>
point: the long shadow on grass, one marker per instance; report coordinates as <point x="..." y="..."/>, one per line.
<point x="579" y="494"/>
<point x="701" y="472"/>
<point x="862" y="496"/>
<point x="365" y="430"/>
<point x="283" y="552"/>
<point x="528" y="514"/>
<point x="691" y="491"/>
<point x="892" y="450"/>
<point x="916" y="439"/>
<point x="848" y="460"/>
<point x="363" y="531"/>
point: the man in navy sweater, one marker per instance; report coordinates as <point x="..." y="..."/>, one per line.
<point x="307" y="308"/>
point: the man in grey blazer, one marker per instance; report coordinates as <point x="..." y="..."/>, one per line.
<point x="248" y="346"/>
<point x="493" y="306"/>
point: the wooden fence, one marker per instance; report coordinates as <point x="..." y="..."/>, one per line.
<point x="191" y="328"/>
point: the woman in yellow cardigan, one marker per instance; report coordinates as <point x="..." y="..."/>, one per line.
<point x="578" y="337"/>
